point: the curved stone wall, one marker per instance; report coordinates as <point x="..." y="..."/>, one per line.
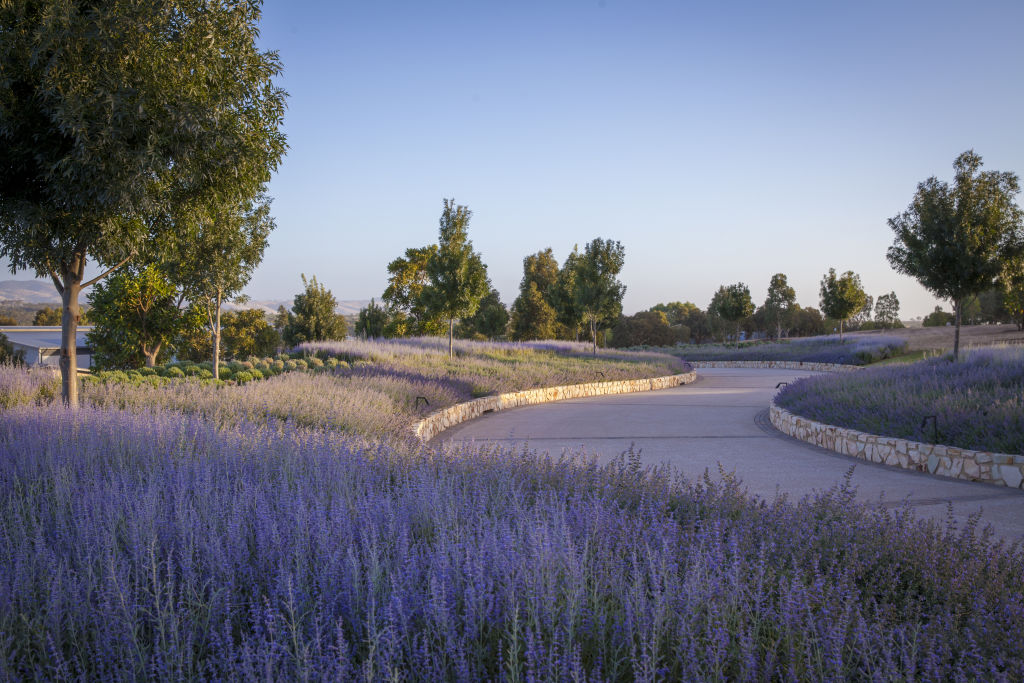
<point x="947" y="461"/>
<point x="774" y="365"/>
<point x="435" y="423"/>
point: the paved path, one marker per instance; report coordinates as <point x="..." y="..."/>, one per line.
<point x="722" y="418"/>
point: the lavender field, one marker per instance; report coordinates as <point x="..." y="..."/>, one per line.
<point x="852" y="350"/>
<point x="978" y="402"/>
<point x="288" y="529"/>
<point x="162" y="546"/>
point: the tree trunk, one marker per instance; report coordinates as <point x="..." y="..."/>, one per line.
<point x="70" y="315"/>
<point x="216" y="338"/>
<point x="840" y="330"/>
<point x="451" y="338"/>
<point x="151" y="354"/>
<point x="956" y="333"/>
<point x="593" y="333"/>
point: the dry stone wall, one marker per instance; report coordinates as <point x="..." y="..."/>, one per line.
<point x="435" y="423"/>
<point x="774" y="365"/>
<point x="947" y="461"/>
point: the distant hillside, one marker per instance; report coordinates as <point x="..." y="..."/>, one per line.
<point x="29" y="291"/>
<point x="347" y="307"/>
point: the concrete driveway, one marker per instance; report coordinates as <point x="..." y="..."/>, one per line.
<point x="722" y="419"/>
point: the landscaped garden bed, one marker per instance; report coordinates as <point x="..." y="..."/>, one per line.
<point x="278" y="529"/>
<point x="852" y="350"/>
<point x="977" y="403"/>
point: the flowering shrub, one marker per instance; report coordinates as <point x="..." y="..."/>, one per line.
<point x="978" y="402"/>
<point x="853" y="350"/>
<point x="20" y="385"/>
<point x="159" y="545"/>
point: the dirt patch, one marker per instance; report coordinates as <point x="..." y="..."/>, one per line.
<point x="927" y="338"/>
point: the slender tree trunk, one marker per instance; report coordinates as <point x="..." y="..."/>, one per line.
<point x="451" y="337"/>
<point x="840" y="330"/>
<point x="956" y="334"/>
<point x="593" y="333"/>
<point x="216" y="337"/>
<point x="70" y="315"/>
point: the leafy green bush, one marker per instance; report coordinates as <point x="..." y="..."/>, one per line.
<point x="243" y="377"/>
<point x="174" y="372"/>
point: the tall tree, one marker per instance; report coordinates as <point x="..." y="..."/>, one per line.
<point x="247" y="333"/>
<point x="779" y="302"/>
<point x="112" y="112"/>
<point x="223" y="243"/>
<point x="676" y="312"/>
<point x="312" y="316"/>
<point x="841" y="296"/>
<point x="533" y="316"/>
<point x="457" y="276"/>
<point x="732" y="303"/>
<point x="597" y="291"/>
<point x="887" y="311"/>
<point x="956" y="240"/>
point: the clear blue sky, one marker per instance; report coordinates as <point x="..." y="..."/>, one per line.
<point x="719" y="142"/>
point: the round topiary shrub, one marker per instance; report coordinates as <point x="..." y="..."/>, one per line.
<point x="174" y="372"/>
<point x="256" y="374"/>
<point x="315" y="362"/>
<point x="278" y="366"/>
<point x="191" y="370"/>
<point x="243" y="377"/>
<point x="205" y="374"/>
<point x="283" y="356"/>
<point x="225" y="373"/>
<point x="147" y="371"/>
<point x="301" y="364"/>
<point x="290" y="365"/>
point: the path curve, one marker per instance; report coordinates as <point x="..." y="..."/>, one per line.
<point x="722" y="418"/>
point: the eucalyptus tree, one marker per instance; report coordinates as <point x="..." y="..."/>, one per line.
<point x="887" y="311"/>
<point x="957" y="240"/>
<point x="213" y="258"/>
<point x="779" y="301"/>
<point x="842" y="296"/>
<point x="112" y="113"/>
<point x="597" y="291"/>
<point x="457" y="276"/>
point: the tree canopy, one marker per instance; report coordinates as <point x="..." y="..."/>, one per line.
<point x="312" y="317"/>
<point x="596" y="290"/>
<point x="533" y="315"/>
<point x="779" y="302"/>
<point x="732" y="303"/>
<point x="457" y="276"/>
<point x="111" y="115"/>
<point x="841" y="296"/>
<point x="955" y="240"/>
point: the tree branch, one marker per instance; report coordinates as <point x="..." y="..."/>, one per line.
<point x="106" y="273"/>
<point x="53" y="276"/>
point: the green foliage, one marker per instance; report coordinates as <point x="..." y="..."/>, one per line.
<point x="47" y="316"/>
<point x="778" y="303"/>
<point x="841" y="296"/>
<point x="7" y="352"/>
<point x="114" y="114"/>
<point x="887" y="311"/>
<point x="597" y="292"/>
<point x="647" y="328"/>
<point x="312" y="316"/>
<point x="490" y="320"/>
<point x="372" y="321"/>
<point x="938" y="318"/>
<point x="407" y="277"/>
<point x="135" y="317"/>
<point x="957" y="240"/>
<point x="676" y="312"/>
<point x="456" y="275"/>
<point x="563" y="298"/>
<point x="731" y="303"/>
<point x="533" y="312"/>
<point x="247" y="333"/>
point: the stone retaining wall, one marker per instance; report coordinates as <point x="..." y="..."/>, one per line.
<point x="775" y="365"/>
<point x="435" y="423"/>
<point x="993" y="468"/>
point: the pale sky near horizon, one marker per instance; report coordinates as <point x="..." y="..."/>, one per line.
<point x="719" y="142"/>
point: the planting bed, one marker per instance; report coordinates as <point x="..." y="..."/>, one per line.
<point x="195" y="531"/>
<point x="852" y="350"/>
<point x="978" y="403"/>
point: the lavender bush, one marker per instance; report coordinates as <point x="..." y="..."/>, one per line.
<point x="852" y="350"/>
<point x="20" y="384"/>
<point x="161" y="546"/>
<point x="979" y="402"/>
